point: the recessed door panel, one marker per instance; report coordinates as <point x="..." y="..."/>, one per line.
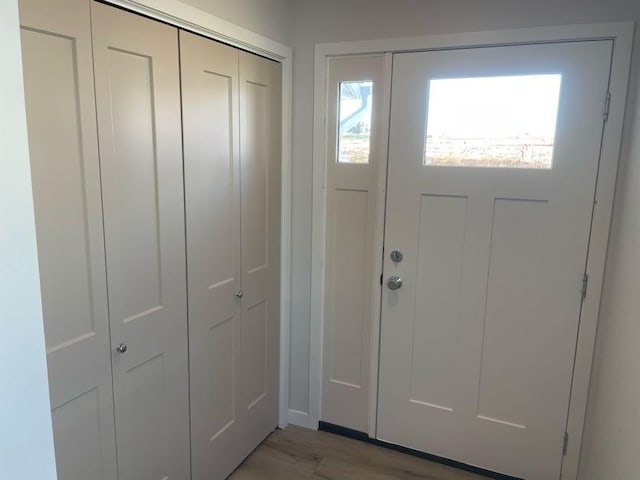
<point x="135" y="223"/>
<point x="347" y="290"/>
<point x="493" y="160"/>
<point x="77" y="421"/>
<point x="217" y="181"/>
<point x="441" y="242"/>
<point x="142" y="389"/>
<point x="255" y="181"/>
<point x="511" y="334"/>
<point x="219" y="392"/>
<point x="254" y="352"/>
<point x="62" y="205"/>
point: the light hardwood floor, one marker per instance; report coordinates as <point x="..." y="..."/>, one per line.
<point x="297" y="453"/>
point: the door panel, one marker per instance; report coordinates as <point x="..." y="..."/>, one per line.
<point x="255" y="345"/>
<point x="58" y="77"/>
<point x="138" y="104"/>
<point x="492" y="209"/>
<point x="210" y="109"/>
<point x="442" y="229"/>
<point x="136" y="189"/>
<point x="349" y="260"/>
<point x="512" y="308"/>
<point x="76" y="424"/>
<point x="260" y="154"/>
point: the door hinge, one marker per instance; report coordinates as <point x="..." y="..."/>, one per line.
<point x="607" y="106"/>
<point x="381" y="279"/>
<point x="585" y="284"/>
<point x="565" y="444"/>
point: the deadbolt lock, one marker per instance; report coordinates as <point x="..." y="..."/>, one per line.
<point x="396" y="256"/>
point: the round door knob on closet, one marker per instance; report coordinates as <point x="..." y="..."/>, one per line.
<point x="394" y="282"/>
<point x="239" y="294"/>
<point x="122" y="348"/>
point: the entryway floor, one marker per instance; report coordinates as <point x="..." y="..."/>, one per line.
<point x="298" y="453"/>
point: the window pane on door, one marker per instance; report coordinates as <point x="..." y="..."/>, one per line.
<point x="507" y="121"/>
<point x="354" y="122"/>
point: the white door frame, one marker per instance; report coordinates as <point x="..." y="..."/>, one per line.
<point x="622" y="35"/>
<point x="198" y="21"/>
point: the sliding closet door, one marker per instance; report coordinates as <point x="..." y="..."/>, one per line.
<point x="260" y="154"/>
<point x="58" y="76"/>
<point x="138" y="101"/>
<point x="212" y="186"/>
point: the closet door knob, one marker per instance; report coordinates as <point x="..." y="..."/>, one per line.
<point x="394" y="282"/>
<point x="121" y="348"/>
<point x="239" y="294"/>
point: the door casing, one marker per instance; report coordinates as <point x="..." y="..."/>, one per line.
<point x="622" y="35"/>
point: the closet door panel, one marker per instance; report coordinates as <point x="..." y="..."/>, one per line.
<point x="58" y="77"/>
<point x="260" y="113"/>
<point x="135" y="190"/>
<point x="138" y="101"/>
<point x="212" y="190"/>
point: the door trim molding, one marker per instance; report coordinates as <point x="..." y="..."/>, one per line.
<point x="203" y="23"/>
<point x="622" y="35"/>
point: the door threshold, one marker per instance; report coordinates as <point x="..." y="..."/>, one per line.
<point x="363" y="437"/>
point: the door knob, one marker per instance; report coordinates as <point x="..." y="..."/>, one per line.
<point x="121" y="348"/>
<point x="394" y="282"/>
<point x="239" y="294"/>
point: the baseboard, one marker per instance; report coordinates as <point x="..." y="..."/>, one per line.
<point x="363" y="437"/>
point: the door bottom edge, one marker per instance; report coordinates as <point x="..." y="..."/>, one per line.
<point x="364" y="437"/>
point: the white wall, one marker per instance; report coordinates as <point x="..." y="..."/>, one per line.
<point x="614" y="401"/>
<point x="269" y="18"/>
<point x="26" y="441"/>
<point x="611" y="448"/>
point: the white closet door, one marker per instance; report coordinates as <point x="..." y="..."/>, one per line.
<point x="210" y="106"/>
<point x="260" y="154"/>
<point x="58" y="76"/>
<point x="138" y="102"/>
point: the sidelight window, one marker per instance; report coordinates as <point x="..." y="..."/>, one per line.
<point x="354" y="122"/>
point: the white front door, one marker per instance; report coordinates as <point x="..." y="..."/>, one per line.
<point x="493" y="160"/>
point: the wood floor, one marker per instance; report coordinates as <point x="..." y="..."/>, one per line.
<point x="297" y="453"/>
